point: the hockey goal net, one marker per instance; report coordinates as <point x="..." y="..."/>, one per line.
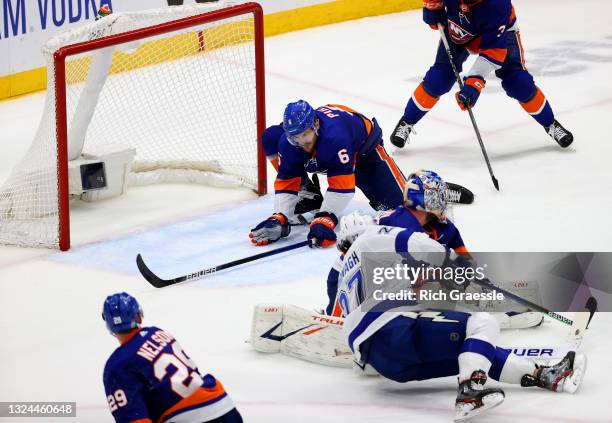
<point x="181" y="87"/>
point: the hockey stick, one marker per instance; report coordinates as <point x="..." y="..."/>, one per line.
<point x="158" y="282"/>
<point x="590" y="306"/>
<point x="469" y="108"/>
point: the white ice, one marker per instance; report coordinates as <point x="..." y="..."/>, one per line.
<point x="55" y="343"/>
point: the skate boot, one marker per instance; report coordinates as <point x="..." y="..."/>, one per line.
<point x="458" y="194"/>
<point x="473" y="398"/>
<point x="562" y="136"/>
<point x="401" y="133"/>
<point x="565" y="376"/>
<point x="309" y="197"/>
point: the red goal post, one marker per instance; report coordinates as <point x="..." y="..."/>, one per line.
<point x="61" y="114"/>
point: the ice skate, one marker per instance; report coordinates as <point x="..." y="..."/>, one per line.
<point x="401" y="134"/>
<point x="562" y="136"/>
<point x="565" y="376"/>
<point x="473" y="398"/>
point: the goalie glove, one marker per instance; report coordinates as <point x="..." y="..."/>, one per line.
<point x="270" y="230"/>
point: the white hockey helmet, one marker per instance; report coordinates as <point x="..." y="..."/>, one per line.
<point x="351" y="226"/>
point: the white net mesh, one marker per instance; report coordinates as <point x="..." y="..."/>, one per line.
<point x="184" y="100"/>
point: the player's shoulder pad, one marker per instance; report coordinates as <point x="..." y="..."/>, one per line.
<point x="270" y="139"/>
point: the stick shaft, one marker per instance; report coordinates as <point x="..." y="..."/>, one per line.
<point x="469" y="108"/>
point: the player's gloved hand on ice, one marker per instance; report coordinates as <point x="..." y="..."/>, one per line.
<point x="270" y="230"/>
<point x="322" y="230"/>
<point x="468" y="96"/>
<point x="433" y="13"/>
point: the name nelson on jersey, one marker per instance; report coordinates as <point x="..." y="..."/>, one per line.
<point x="150" y="349"/>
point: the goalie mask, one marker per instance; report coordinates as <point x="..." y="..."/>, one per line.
<point x="426" y="191"/>
<point x="351" y="226"/>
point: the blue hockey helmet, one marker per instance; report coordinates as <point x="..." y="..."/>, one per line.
<point x="120" y="312"/>
<point x="298" y="117"/>
<point x="426" y="191"/>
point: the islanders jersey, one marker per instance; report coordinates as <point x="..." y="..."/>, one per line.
<point x="269" y="142"/>
<point x="344" y="136"/>
<point x="149" y="378"/>
<point x="363" y="315"/>
<point x="482" y="29"/>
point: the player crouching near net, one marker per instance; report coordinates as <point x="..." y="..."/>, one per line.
<point x="421" y="345"/>
<point x="348" y="148"/>
<point x="149" y="378"/>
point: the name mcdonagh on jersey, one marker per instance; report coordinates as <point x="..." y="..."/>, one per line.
<point x="426" y="295"/>
<point x="17" y="19"/>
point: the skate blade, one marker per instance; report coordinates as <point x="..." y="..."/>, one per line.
<point x="488" y="402"/>
<point x="572" y="383"/>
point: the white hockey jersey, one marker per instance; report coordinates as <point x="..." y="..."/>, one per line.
<point x="361" y="322"/>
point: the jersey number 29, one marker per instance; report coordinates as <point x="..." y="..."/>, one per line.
<point x="185" y="369"/>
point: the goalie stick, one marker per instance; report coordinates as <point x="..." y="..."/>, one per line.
<point x="158" y="282"/>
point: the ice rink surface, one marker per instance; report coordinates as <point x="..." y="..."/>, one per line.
<point x="55" y="344"/>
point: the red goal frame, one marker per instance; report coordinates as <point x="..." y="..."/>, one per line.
<point x="59" y="59"/>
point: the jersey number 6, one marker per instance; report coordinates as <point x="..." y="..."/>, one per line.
<point x="343" y="156"/>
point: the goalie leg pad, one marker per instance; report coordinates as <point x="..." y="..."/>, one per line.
<point x="524" y="320"/>
<point x="300" y="333"/>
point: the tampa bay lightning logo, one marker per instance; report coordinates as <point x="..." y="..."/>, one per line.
<point x="459" y="34"/>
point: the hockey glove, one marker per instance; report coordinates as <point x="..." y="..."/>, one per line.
<point x="270" y="230"/>
<point x="433" y="13"/>
<point x="468" y="96"/>
<point x="322" y="230"/>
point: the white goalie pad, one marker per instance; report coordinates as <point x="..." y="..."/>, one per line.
<point x="300" y="333"/>
<point x="524" y="320"/>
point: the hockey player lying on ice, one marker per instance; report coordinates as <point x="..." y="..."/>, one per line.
<point x="424" y="345"/>
<point x="348" y="148"/>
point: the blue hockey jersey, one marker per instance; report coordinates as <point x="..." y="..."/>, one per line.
<point x="344" y="136"/>
<point x="481" y="28"/>
<point x="149" y="378"/>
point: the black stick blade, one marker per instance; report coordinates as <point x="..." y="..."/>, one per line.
<point x="591" y="306"/>
<point x="151" y="277"/>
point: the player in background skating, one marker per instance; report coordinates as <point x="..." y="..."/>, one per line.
<point x="423" y="211"/>
<point x="348" y="148"/>
<point x="149" y="378"/>
<point x="489" y="29"/>
<point x="421" y="345"/>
